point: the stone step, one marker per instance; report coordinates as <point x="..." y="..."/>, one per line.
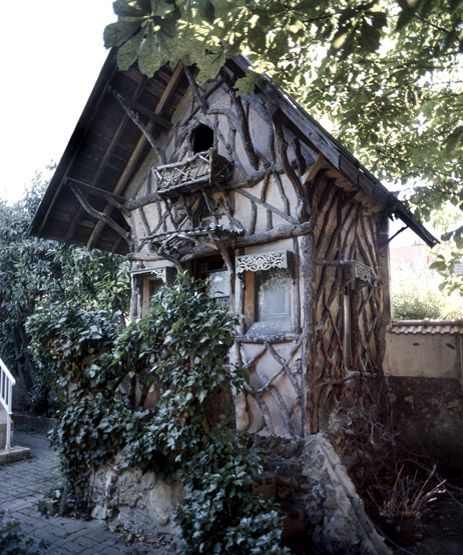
<point x="14" y="454"/>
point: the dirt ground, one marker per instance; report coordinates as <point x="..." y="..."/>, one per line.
<point x="441" y="527"/>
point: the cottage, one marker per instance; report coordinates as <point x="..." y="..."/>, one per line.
<point x="250" y="192"/>
<point x="290" y="229"/>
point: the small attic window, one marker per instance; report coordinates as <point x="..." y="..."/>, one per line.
<point x="202" y="138"/>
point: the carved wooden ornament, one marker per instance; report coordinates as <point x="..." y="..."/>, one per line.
<point x="262" y="261"/>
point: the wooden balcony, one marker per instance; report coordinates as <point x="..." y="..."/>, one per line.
<point x="202" y="171"/>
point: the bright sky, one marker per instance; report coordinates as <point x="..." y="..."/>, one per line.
<point x="51" y="52"/>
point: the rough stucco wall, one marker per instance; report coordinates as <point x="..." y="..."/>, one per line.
<point x="426" y="393"/>
<point x="426" y="356"/>
<point x="142" y="502"/>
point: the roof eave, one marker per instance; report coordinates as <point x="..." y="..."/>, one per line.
<point x="46" y="204"/>
<point x="338" y="155"/>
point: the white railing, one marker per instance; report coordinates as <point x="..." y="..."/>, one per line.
<point x="6" y="396"/>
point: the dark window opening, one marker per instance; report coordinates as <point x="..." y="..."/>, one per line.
<point x="202" y="138"/>
<point x="213" y="268"/>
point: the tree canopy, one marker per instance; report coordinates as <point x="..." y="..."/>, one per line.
<point x="384" y="75"/>
<point x="37" y="277"/>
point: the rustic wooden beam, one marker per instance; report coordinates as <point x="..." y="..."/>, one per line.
<point x="107" y="155"/>
<point x="122" y="181"/>
<point x="99" y="215"/>
<point x="135" y="118"/>
<point x="144" y="111"/>
<point x="95" y="191"/>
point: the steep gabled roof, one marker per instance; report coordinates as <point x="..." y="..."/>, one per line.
<point x="107" y="149"/>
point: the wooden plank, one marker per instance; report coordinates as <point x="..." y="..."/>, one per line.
<point x="106" y="156"/>
<point x="122" y="181"/>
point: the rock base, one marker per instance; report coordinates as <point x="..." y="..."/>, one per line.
<point x="322" y="510"/>
<point x="141" y="502"/>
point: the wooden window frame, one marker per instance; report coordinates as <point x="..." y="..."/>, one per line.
<point x="249" y="266"/>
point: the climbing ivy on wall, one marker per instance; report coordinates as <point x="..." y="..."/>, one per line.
<point x="178" y="350"/>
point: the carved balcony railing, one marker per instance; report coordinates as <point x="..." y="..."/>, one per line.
<point x="203" y="170"/>
<point x="183" y="242"/>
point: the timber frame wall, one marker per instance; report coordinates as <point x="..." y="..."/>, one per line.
<point x="278" y="195"/>
<point x="169" y="172"/>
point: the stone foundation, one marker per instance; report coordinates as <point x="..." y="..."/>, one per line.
<point x="337" y="519"/>
<point x="142" y="502"/>
<point x="322" y="511"/>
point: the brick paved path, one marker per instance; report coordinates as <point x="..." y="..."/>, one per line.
<point x="22" y="484"/>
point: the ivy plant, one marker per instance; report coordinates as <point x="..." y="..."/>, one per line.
<point x="13" y="541"/>
<point x="180" y="351"/>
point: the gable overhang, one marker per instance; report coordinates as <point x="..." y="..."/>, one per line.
<point x="338" y="156"/>
<point x="83" y="203"/>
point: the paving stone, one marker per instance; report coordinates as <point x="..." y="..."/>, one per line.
<point x="26" y="483"/>
<point x="72" y="548"/>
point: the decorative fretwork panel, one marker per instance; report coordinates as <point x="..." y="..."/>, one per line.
<point x="356" y="271"/>
<point x="262" y="261"/>
<point x="274" y="392"/>
<point x="165" y="274"/>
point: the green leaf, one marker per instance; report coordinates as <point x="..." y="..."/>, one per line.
<point x="370" y="37"/>
<point x="379" y="19"/>
<point x="149" y="59"/>
<point x="127" y="8"/>
<point x="247" y="83"/>
<point x="453" y="139"/>
<point x="405" y="17"/>
<point x="207" y="10"/>
<point x="127" y="54"/>
<point x="117" y="33"/>
<point x="162" y="8"/>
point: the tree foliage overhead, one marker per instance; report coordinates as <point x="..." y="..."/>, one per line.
<point x="386" y="73"/>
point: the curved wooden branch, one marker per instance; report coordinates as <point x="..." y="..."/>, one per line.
<point x="100" y="215"/>
<point x="195" y="89"/>
<point x="136" y="120"/>
<point x="296" y="182"/>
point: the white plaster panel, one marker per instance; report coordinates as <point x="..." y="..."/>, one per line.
<point x="282" y="245"/>
<point x="427" y="356"/>
<point x="274" y="408"/>
<point x="254" y="413"/>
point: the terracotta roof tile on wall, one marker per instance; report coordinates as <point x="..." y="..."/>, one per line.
<point x="414" y="327"/>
